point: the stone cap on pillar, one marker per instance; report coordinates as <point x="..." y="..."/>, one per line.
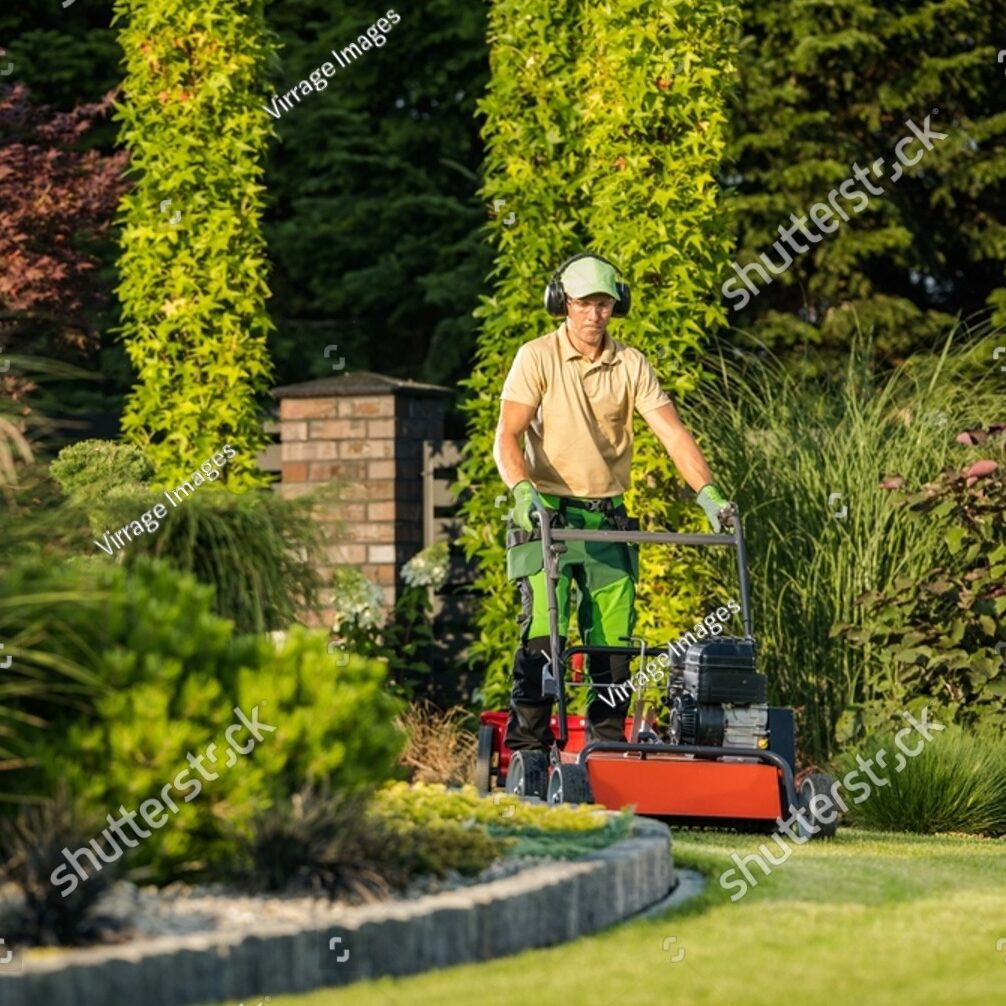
<point x="362" y="382"/>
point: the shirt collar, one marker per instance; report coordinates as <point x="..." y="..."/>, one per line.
<point x="570" y="352"/>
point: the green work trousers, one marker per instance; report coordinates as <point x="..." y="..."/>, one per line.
<point x="605" y="574"/>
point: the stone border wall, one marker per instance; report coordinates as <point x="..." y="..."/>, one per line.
<point x="538" y="907"/>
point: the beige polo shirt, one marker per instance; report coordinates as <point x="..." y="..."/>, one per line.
<point x="579" y="442"/>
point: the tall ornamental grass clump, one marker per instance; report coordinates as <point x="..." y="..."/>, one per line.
<point x="804" y="460"/>
<point x="957" y="783"/>
<point x="255" y="548"/>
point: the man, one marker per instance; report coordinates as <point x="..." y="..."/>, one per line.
<point x="573" y="393"/>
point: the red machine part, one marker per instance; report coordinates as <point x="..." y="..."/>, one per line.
<point x="683" y="786"/>
<point x="662" y="784"/>
<point x="576" y="665"/>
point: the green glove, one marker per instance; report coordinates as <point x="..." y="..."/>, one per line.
<point x="525" y="499"/>
<point x="719" y="510"/>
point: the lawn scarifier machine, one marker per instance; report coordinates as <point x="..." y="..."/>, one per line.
<point x="724" y="757"/>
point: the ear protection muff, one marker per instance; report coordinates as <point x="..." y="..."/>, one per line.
<point x="555" y="295"/>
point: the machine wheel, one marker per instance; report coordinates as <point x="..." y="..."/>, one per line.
<point x="484" y="759"/>
<point x="569" y="784"/>
<point x="528" y="774"/>
<point x="823" y="784"/>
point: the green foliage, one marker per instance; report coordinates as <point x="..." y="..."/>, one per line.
<point x="172" y="675"/>
<point x="601" y="133"/>
<point x="25" y="432"/>
<point x="522" y="829"/>
<point x="255" y="548"/>
<point x="91" y="469"/>
<point x="957" y="783"/>
<point x="373" y="181"/>
<point x="827" y="86"/>
<point x="785" y="446"/>
<point x="943" y="634"/>
<point x="436" y="830"/>
<point x="402" y="638"/>
<point x="193" y="292"/>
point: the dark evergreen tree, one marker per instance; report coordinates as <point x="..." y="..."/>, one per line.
<point x="376" y="229"/>
<point x="824" y="87"/>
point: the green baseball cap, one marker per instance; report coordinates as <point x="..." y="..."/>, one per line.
<point x="589" y="275"/>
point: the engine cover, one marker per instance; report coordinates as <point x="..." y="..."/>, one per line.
<point x="717" y="698"/>
<point x="717" y="726"/>
<point x="722" y="671"/>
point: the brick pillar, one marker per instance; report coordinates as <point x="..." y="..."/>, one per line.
<point x="365" y="431"/>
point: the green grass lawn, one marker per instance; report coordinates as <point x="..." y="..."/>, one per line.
<point x="868" y="919"/>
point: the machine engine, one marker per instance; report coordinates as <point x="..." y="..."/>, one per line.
<point x="716" y="697"/>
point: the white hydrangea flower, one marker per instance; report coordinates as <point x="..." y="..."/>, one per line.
<point x="428" y="568"/>
<point x="356" y="600"/>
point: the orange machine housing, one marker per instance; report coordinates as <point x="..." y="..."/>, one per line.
<point x="663" y="784"/>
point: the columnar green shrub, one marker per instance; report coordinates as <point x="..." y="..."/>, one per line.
<point x="604" y="125"/>
<point x="193" y="268"/>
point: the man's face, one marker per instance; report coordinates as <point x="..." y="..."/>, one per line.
<point x="588" y="317"/>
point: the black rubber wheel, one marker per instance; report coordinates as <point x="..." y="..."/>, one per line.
<point x="528" y="774"/>
<point x="569" y="784"/>
<point x="820" y="783"/>
<point x="484" y="759"/>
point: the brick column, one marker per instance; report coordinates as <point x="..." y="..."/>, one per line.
<point x="366" y="432"/>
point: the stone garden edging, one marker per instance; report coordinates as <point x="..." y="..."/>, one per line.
<point x="537" y="907"/>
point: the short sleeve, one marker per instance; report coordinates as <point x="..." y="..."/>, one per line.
<point x="524" y="383"/>
<point x="649" y="394"/>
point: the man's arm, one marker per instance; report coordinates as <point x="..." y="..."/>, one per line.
<point x="680" y="446"/>
<point x="515" y="418"/>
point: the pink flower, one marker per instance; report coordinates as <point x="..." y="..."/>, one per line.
<point x="978" y="470"/>
<point x="892" y="482"/>
<point x="964" y="438"/>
